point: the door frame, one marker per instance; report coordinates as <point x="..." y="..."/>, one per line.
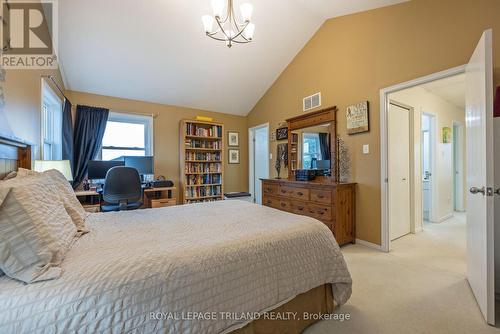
<point x="251" y="156"/>
<point x="384" y="106"/>
<point x="460" y="146"/>
<point x="434" y="139"/>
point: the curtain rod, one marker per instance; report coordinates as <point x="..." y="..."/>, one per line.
<point x="133" y="113"/>
<point x="51" y="77"/>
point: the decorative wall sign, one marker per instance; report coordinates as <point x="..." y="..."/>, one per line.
<point x="234" y="156"/>
<point x="446" y="135"/>
<point x="282" y="133"/>
<point x="357" y="118"/>
<point x="233" y="138"/>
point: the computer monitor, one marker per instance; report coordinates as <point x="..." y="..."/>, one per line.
<point x="98" y="169"/>
<point x="323" y="164"/>
<point x="144" y="165"/>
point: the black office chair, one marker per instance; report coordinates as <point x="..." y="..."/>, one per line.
<point x="122" y="189"/>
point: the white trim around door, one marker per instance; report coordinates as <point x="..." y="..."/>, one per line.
<point x="251" y="158"/>
<point x="384" y="105"/>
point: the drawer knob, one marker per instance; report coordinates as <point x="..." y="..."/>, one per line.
<point x="301" y="208"/>
<point x="283" y="205"/>
<point x="321" y="196"/>
<point x="300" y="193"/>
<point x="283" y="191"/>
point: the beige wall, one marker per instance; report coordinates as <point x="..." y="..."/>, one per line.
<point x="166" y="134"/>
<point x="21" y="114"/>
<point x="351" y="58"/>
<point x="445" y="114"/>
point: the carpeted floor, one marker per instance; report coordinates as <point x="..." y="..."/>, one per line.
<point x="419" y="287"/>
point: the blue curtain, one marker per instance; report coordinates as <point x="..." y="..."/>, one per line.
<point x="89" y="130"/>
<point x="67" y="133"/>
<point x="324" y="145"/>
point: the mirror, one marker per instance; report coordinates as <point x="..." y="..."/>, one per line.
<point x="311" y="149"/>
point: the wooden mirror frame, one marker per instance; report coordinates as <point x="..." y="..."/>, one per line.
<point x="315" y="118"/>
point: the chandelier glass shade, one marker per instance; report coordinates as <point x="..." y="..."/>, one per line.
<point x="227" y="28"/>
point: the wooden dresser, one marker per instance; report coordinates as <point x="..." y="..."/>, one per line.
<point x="331" y="203"/>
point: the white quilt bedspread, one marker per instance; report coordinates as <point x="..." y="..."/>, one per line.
<point x="161" y="270"/>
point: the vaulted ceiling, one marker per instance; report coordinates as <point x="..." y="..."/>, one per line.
<point x="156" y="50"/>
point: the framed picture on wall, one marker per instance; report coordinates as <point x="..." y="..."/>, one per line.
<point x="357" y="118"/>
<point x="282" y="133"/>
<point x="233" y="138"/>
<point x="234" y="156"/>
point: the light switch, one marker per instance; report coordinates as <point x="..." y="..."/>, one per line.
<point x="366" y="149"/>
<point x="270" y="156"/>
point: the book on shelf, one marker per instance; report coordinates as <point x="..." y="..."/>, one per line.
<point x="196" y="129"/>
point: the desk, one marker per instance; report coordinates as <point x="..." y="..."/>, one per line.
<point x="152" y="198"/>
<point x="90" y="200"/>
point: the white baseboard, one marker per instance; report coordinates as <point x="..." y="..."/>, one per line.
<point x="442" y="219"/>
<point x="369" y="244"/>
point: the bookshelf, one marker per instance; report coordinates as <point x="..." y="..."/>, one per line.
<point x="201" y="161"/>
<point x="294" y="152"/>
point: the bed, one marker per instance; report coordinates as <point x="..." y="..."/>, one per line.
<point x="228" y="266"/>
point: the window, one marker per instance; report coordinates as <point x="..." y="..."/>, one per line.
<point x="311" y="149"/>
<point x="51" y="124"/>
<point x="127" y="135"/>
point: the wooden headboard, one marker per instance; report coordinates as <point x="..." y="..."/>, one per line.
<point x="14" y="153"/>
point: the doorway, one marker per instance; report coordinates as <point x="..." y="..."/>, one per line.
<point x="458" y="167"/>
<point x="478" y="251"/>
<point x="258" y="159"/>
<point x="428" y="144"/>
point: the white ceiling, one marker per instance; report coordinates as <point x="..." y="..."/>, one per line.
<point x="451" y="89"/>
<point x="156" y="50"/>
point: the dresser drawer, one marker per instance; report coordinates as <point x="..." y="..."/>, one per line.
<point x="321" y="212"/>
<point x="163" y="202"/>
<point x="270" y="201"/>
<point x="300" y="208"/>
<point x="321" y="196"/>
<point x="277" y="203"/>
<point x="294" y="192"/>
<point x="270" y="189"/>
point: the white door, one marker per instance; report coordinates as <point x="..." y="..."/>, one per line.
<point x="399" y="171"/>
<point x="259" y="160"/>
<point x="480" y="176"/>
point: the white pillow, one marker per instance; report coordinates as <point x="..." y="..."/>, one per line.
<point x="35" y="232"/>
<point x="66" y="194"/>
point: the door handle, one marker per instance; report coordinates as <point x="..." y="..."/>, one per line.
<point x="476" y="190"/>
<point x="497" y="192"/>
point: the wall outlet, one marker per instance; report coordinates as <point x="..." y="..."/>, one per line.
<point x="366" y="149"/>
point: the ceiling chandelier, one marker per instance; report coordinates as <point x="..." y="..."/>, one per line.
<point x="228" y="29"/>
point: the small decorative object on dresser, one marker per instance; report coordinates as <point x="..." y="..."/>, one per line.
<point x="233" y="138"/>
<point x="234" y="156"/>
<point x="344" y="161"/>
<point x="281" y="157"/>
<point x="357" y="118"/>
